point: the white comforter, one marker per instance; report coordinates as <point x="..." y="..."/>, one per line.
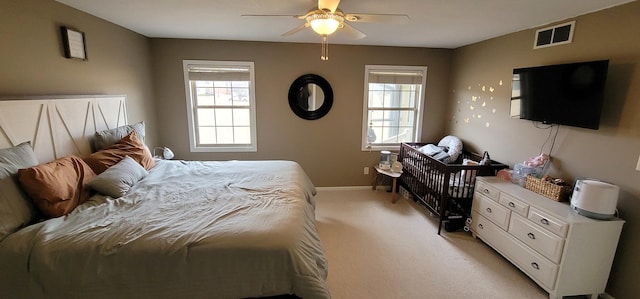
<point x="231" y="229"/>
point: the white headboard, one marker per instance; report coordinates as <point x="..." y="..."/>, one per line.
<point x="58" y="126"/>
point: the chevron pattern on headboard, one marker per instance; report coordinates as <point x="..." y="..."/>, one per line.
<point x="59" y="126"/>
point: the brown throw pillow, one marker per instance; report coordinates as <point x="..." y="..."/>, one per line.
<point x="130" y="146"/>
<point x="57" y="187"/>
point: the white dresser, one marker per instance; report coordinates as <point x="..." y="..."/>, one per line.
<point x="563" y="252"/>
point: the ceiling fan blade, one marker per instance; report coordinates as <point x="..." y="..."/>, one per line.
<point x="352" y="32"/>
<point x="331" y="5"/>
<point x="378" y="18"/>
<point x="295" y="30"/>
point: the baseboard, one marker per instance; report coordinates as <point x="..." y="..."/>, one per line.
<point x="343" y="188"/>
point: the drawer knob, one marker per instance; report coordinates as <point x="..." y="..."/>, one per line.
<point x="486" y="191"/>
<point x="489" y="210"/>
<point x="544" y="221"/>
<point x="531" y="236"/>
<point x="511" y="204"/>
<point x="480" y="226"/>
<point x="535" y="266"/>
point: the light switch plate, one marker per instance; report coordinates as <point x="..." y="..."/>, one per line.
<point x="638" y="166"/>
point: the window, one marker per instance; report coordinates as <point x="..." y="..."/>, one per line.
<point x="393" y="103"/>
<point x="221" y="106"/>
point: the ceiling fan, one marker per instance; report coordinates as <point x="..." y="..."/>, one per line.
<point x="327" y="18"/>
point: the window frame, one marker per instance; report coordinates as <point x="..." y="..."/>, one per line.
<point x="418" y="108"/>
<point x="194" y="146"/>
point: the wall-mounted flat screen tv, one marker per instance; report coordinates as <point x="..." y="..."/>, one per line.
<point x="564" y="94"/>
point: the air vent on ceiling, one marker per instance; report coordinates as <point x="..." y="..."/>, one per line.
<point x="554" y="35"/>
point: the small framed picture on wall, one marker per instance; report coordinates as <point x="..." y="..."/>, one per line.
<point x="74" y="44"/>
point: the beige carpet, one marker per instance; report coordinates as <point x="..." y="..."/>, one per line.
<point x="377" y="249"/>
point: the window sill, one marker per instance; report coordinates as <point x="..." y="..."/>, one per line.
<point x="223" y="149"/>
<point x="393" y="148"/>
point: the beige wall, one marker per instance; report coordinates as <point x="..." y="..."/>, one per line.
<point x="32" y="58"/>
<point x="610" y="153"/>
<point x="123" y="62"/>
<point x="328" y="148"/>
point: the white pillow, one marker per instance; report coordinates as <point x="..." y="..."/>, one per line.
<point x="119" y="178"/>
<point x="453" y="145"/>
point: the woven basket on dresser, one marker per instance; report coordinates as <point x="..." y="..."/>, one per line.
<point x="548" y="189"/>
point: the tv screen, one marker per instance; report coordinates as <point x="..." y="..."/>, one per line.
<point x="564" y="94"/>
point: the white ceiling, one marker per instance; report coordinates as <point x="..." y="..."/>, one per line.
<point x="433" y="23"/>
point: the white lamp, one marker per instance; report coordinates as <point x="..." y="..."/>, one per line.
<point x="165" y="153"/>
<point x="325" y="24"/>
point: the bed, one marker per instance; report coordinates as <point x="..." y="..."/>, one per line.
<point x="179" y="229"/>
<point x="443" y="181"/>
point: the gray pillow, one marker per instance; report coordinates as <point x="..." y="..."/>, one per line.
<point x="16" y="208"/>
<point x="106" y="138"/>
<point x="21" y="155"/>
<point x="119" y="178"/>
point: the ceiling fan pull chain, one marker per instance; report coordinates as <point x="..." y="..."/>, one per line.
<point x="325" y="48"/>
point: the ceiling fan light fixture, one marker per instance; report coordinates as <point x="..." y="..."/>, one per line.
<point x="325" y="23"/>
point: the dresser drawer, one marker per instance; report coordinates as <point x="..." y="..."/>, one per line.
<point x="487" y="190"/>
<point x="539" y="239"/>
<point x="548" y="222"/>
<point x="513" y="204"/>
<point x="532" y="263"/>
<point x="492" y="211"/>
<point x="488" y="231"/>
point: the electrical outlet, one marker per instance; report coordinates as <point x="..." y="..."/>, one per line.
<point x="638" y="166"/>
<point x="366" y="170"/>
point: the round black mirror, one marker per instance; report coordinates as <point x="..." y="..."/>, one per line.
<point x="310" y="97"/>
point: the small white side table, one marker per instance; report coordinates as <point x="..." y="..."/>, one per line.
<point x="389" y="173"/>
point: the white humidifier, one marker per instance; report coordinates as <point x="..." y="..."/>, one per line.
<point x="595" y="199"/>
<point x="385" y="160"/>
